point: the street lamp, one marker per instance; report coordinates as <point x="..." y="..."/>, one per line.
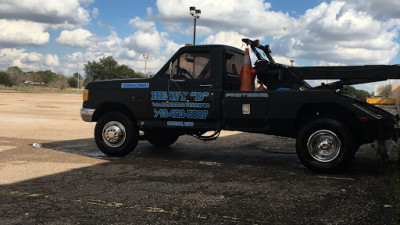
<point x="146" y="57"/>
<point x="196" y="15"/>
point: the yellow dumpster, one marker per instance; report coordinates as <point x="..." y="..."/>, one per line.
<point x="381" y="101"/>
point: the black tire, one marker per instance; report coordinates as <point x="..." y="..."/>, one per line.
<point x="325" y="145"/>
<point x="161" y="137"/>
<point x="116" y="134"/>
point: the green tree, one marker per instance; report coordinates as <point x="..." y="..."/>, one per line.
<point x="356" y="93"/>
<point x="47" y="76"/>
<point x="14" y="70"/>
<point x="62" y="82"/>
<point x="72" y="82"/>
<point x="16" y="74"/>
<point x="5" y="79"/>
<point x="107" y="68"/>
<point x="78" y="75"/>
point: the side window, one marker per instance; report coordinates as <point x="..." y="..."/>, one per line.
<point x="234" y="64"/>
<point x="191" y="65"/>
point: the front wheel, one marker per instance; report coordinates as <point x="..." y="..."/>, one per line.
<point x="115" y="134"/>
<point x="325" y="145"/>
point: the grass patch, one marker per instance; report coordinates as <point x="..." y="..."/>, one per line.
<point x="39" y="90"/>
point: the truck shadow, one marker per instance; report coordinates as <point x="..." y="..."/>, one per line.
<point x="230" y="149"/>
<point x="242" y="149"/>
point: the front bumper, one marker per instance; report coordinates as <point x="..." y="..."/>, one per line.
<point x="87" y="114"/>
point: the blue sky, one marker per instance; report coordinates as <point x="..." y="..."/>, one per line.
<point x="64" y="35"/>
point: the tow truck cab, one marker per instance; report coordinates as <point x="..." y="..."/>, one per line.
<point x="186" y="92"/>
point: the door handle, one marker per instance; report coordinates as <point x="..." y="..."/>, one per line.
<point x="178" y="80"/>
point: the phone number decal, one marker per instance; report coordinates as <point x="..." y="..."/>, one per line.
<point x="180" y="113"/>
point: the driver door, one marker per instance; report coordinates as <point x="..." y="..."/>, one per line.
<point x="192" y="98"/>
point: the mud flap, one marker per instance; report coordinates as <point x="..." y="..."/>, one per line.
<point x="382" y="152"/>
<point x="396" y="149"/>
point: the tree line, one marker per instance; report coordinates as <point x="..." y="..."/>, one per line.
<point x="356" y="93"/>
<point x="15" y="76"/>
<point x="107" y="68"/>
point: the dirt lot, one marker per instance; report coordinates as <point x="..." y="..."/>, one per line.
<point x="240" y="178"/>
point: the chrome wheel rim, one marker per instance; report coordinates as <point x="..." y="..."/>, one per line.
<point x="324" y="145"/>
<point x="114" y="134"/>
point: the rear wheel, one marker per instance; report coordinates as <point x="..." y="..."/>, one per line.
<point x="325" y="145"/>
<point x="116" y="134"/>
<point x="161" y="137"/>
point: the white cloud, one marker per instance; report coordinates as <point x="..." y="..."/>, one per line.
<point x="388" y="9"/>
<point x="86" y="2"/>
<point x="338" y="33"/>
<point x="32" y="57"/>
<point x="28" y="22"/>
<point x="142" y="25"/>
<point x="284" y="60"/>
<point x="16" y="32"/>
<point x="80" y="38"/>
<point x="111" y="45"/>
<point x="170" y="48"/>
<point x="253" y="17"/>
<point x="146" y="39"/>
<point x="144" y="42"/>
<point x="126" y="51"/>
<point x="226" y="38"/>
<point x="27" y="61"/>
<point x="52" y="12"/>
<point x="95" y="12"/>
<point x="52" y="60"/>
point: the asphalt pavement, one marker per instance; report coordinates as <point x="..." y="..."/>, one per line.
<point x="51" y="172"/>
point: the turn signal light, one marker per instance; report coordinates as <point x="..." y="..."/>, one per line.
<point x="364" y="119"/>
<point x="86" y="95"/>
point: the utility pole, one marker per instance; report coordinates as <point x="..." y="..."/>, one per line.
<point x="146" y="57"/>
<point x="77" y="87"/>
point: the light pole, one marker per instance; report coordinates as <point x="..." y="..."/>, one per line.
<point x="146" y="57"/>
<point x="77" y="87"/>
<point x="196" y="15"/>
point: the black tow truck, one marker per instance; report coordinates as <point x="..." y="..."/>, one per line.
<point x="198" y="91"/>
